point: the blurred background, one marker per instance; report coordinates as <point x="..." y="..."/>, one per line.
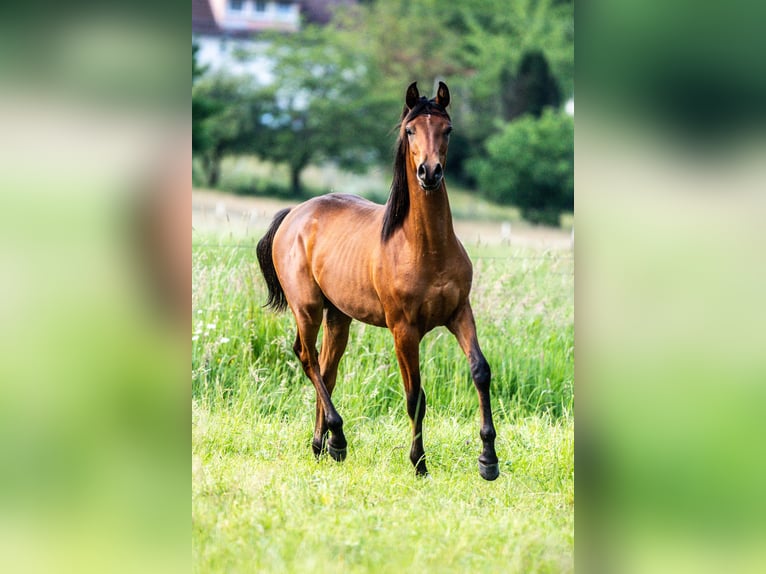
<point x="669" y="173"/>
<point x="670" y="179"/>
<point x="94" y="192"/>
<point x="290" y="98"/>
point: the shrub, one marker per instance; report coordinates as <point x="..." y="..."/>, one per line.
<point x="530" y="164"/>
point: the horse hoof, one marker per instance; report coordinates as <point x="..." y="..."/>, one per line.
<point x="489" y="471"/>
<point x="338" y="454"/>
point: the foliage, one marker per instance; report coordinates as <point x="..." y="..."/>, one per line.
<point x="530" y="164"/>
<point x="202" y="108"/>
<point x="477" y="47"/>
<point x="323" y="104"/>
<point x="320" y="106"/>
<point x="531" y="90"/>
<point x="497" y="38"/>
<point x="233" y="126"/>
<point x="337" y="89"/>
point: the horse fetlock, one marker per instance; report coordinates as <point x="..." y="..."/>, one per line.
<point x="488" y="434"/>
<point x="319" y="446"/>
<point x="334" y="422"/>
<point x="418" y="460"/>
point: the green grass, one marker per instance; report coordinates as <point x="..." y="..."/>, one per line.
<point x="261" y="502"/>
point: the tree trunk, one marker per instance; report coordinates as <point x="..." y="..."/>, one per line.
<point x="295" y="179"/>
<point x="211" y="163"/>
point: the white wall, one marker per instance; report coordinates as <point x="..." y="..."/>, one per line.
<point x="219" y="55"/>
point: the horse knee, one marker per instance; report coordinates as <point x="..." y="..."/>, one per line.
<point x="481" y="373"/>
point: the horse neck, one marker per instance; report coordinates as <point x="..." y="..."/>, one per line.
<point x="428" y="225"/>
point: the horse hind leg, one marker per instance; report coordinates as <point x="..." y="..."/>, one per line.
<point x="308" y="320"/>
<point x="334" y="340"/>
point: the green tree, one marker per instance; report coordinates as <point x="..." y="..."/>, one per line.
<point x="233" y="127"/>
<point x="479" y="48"/>
<point x="323" y="105"/>
<point x="530" y="164"/>
<point x="202" y="108"/>
<point x="531" y="90"/>
<point x="499" y="35"/>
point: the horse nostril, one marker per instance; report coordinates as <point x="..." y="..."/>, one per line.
<point x="438" y="171"/>
<point x="422" y="171"/>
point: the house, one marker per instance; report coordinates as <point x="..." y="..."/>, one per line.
<point x="224" y="29"/>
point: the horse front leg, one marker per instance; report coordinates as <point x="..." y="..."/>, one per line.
<point x="407" y="344"/>
<point x="463" y="327"/>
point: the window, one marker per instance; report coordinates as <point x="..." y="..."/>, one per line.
<point x="236" y="5"/>
<point x="260" y="7"/>
<point x="284" y="7"/>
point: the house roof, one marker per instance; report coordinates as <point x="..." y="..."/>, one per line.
<point x="203" y="21"/>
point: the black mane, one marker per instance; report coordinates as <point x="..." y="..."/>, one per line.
<point x="398" y="204"/>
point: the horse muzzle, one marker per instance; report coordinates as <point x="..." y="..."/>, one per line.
<point x="430" y="179"/>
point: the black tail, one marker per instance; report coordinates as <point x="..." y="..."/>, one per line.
<point x="277" y="300"/>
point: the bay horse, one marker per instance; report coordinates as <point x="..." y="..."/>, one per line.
<point x="339" y="257"/>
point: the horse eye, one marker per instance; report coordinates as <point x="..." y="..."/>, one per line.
<point x="448" y="131"/>
<point x="408" y="131"/>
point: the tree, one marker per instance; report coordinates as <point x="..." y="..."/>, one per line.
<point x="531" y="90"/>
<point x="202" y="108"/>
<point x="500" y="59"/>
<point x="322" y="105"/>
<point x="233" y="127"/>
<point x="498" y="38"/>
<point x="530" y="164"/>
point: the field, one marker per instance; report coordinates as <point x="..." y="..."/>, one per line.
<point x="262" y="503"/>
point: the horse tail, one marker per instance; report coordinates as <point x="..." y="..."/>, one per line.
<point x="277" y="300"/>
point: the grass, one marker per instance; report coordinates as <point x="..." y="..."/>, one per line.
<point x="261" y="502"/>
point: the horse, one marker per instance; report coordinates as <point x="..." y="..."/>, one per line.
<point x="338" y="257"/>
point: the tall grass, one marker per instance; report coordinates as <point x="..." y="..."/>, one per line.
<point x="262" y="503"/>
<point x="522" y="299"/>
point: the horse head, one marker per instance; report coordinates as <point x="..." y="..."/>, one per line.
<point x="426" y="127"/>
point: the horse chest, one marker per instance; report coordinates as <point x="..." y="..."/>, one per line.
<point x="428" y="301"/>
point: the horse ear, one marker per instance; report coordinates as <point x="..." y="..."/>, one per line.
<point x="442" y="95"/>
<point x="412" y="95"/>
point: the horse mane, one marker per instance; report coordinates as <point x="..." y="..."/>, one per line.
<point x="398" y="204"/>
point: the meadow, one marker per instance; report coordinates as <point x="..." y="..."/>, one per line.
<point x="261" y="502"/>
